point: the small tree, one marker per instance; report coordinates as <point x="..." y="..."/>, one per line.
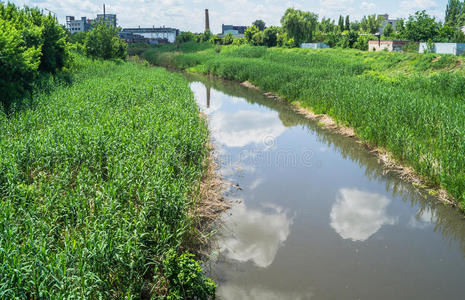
<point x="103" y="42"/>
<point x="299" y="25"/>
<point x="421" y="27"/>
<point x="341" y="23"/>
<point x="258" y="39"/>
<point x="347" y="23"/>
<point x="271" y="36"/>
<point x="250" y="32"/>
<point x="388" y="30"/>
<point x="228" y="39"/>
<point x="260" y="24"/>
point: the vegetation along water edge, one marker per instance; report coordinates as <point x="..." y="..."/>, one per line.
<point x="409" y="104"/>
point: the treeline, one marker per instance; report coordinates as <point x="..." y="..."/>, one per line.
<point x="299" y="26"/>
<point x="34" y="46"/>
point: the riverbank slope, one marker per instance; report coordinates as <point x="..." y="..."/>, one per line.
<point x="409" y="104"/>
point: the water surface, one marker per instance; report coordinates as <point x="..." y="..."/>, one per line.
<point x="316" y="215"/>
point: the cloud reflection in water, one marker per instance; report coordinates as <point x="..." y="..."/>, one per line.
<point x="255" y="235"/>
<point x="357" y="215"/>
<point x="244" y="127"/>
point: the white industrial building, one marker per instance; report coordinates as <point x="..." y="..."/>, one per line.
<point x="81" y="25"/>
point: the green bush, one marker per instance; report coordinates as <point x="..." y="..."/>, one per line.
<point x="103" y="42"/>
<point x="185" y="278"/>
<point x="30" y="43"/>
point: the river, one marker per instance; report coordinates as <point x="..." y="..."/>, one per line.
<point x="315" y="215"/>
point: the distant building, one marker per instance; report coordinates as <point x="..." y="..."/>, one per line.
<point x="132" y="38"/>
<point x="74" y="26"/>
<point x="154" y="34"/>
<point x="387" y="21"/>
<point x="110" y="19"/>
<point x="391" y="46"/>
<point x="314" y="46"/>
<point x="234" y="30"/>
<point x="444" y="48"/>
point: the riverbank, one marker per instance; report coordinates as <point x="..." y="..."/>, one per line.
<point x="408" y="104"/>
<point x="106" y="184"/>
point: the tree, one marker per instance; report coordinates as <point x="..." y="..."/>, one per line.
<point x="348" y="40"/>
<point x="355" y="26"/>
<point x="228" y="39"/>
<point x="299" y="25"/>
<point x="400" y="26"/>
<point x="103" y="42"/>
<point x="326" y="25"/>
<point x="421" y="27"/>
<point x="250" y="32"/>
<point x="270" y="38"/>
<point x="258" y="39"/>
<point x="341" y="23"/>
<point x="454" y="10"/>
<point x="260" y="24"/>
<point x="371" y="24"/>
<point x="388" y="30"/>
<point x="347" y="27"/>
<point x="30" y="43"/>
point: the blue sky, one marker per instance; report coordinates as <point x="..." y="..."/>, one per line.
<point x="189" y="15"/>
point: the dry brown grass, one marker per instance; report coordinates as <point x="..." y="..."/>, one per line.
<point x="208" y="203"/>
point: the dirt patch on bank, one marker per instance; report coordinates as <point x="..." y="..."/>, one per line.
<point x="249" y="85"/>
<point x="385" y="157"/>
<point x="208" y="203"/>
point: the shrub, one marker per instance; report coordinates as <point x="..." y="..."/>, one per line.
<point x="30" y="43"/>
<point x="103" y="42"/>
<point x="185" y="278"/>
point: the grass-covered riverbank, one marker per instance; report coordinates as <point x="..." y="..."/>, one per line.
<point x="410" y="104"/>
<point x="97" y="179"/>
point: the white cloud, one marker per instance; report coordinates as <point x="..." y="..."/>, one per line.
<point x="408" y="8"/>
<point x="357" y="215"/>
<point x="254" y="235"/>
<point x="367" y="5"/>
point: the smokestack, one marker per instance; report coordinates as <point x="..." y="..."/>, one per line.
<point x="207" y="20"/>
<point x="104" y="17"/>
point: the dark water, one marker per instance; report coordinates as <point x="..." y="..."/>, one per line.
<point x="317" y="216"/>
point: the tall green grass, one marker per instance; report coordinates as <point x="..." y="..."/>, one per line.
<point x="95" y="182"/>
<point x="419" y="117"/>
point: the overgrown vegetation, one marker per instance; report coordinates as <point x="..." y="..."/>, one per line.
<point x="96" y="179"/>
<point x="416" y="116"/>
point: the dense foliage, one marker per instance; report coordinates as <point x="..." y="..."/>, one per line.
<point x="95" y="182"/>
<point x="30" y="44"/>
<point x="103" y="42"/>
<point x="418" y="117"/>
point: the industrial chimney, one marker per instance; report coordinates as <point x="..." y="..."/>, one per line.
<point x="207" y="21"/>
